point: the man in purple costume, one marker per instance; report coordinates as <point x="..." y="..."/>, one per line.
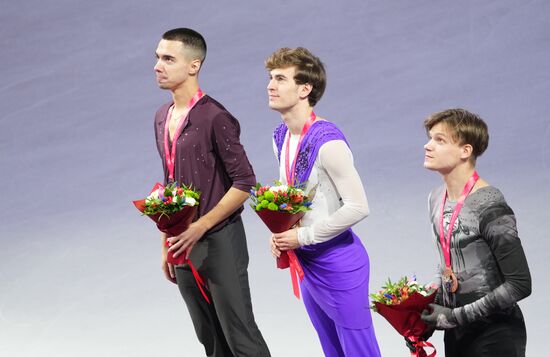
<point x="208" y="155"/>
<point x="314" y="151"/>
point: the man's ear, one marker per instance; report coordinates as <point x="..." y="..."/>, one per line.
<point x="305" y="90"/>
<point x="466" y="151"/>
<point x="194" y="67"/>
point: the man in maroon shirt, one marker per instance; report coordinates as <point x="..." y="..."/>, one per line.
<point x="208" y="155"/>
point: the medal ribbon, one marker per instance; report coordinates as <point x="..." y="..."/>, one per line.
<point x="296" y="272"/>
<point x="201" y="284"/>
<point x="446" y="241"/>
<point x="291" y="173"/>
<point x="419" y="344"/>
<point x="171" y="154"/>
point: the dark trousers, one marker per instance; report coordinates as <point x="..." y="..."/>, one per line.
<point x="226" y="327"/>
<point x="494" y="339"/>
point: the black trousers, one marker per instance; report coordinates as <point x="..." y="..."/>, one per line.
<point x="226" y="327"/>
<point x="502" y="337"/>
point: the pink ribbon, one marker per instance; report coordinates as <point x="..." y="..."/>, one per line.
<point x="182" y="260"/>
<point x="290" y="173"/>
<point x="171" y="154"/>
<point x="296" y="272"/>
<point x="446" y="241"/>
<point x="419" y="344"/>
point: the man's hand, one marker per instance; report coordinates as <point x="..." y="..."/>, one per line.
<point x="287" y="240"/>
<point x="166" y="267"/>
<point x="274" y="250"/>
<point x="185" y="242"/>
<point x="230" y="202"/>
<point x="440" y="317"/>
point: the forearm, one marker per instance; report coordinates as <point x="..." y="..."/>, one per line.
<point x="336" y="159"/>
<point x="498" y="226"/>
<point x="345" y="217"/>
<point x="230" y="202"/>
<point x="516" y="286"/>
<point x="499" y="299"/>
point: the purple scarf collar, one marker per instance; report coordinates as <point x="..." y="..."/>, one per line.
<point x="319" y="133"/>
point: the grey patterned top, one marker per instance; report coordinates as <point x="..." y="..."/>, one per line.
<point x="486" y="256"/>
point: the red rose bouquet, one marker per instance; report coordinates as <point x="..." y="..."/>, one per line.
<point x="173" y="208"/>
<point x="280" y="207"/>
<point x="401" y="304"/>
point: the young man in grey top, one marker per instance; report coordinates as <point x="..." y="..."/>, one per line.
<point x="483" y="271"/>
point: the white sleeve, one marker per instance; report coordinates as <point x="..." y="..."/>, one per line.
<point x="336" y="158"/>
<point x="275" y="149"/>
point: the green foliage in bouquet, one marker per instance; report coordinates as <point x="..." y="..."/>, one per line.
<point x="395" y="293"/>
<point x="279" y="197"/>
<point x="170" y="199"/>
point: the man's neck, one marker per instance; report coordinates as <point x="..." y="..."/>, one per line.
<point x="457" y="179"/>
<point x="296" y="117"/>
<point x="183" y="94"/>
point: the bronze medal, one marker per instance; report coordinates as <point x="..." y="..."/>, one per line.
<point x="450" y="279"/>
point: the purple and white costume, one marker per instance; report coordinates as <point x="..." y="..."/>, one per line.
<point x="335" y="262"/>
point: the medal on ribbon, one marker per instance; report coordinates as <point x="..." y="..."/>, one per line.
<point x="449" y="278"/>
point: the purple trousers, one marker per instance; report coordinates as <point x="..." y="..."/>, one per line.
<point x="336" y="295"/>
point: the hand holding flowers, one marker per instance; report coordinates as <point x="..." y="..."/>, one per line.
<point x="286" y="240"/>
<point x="173" y="208"/>
<point x="280" y="207"/>
<point x="401" y="304"/>
<point x="185" y="241"/>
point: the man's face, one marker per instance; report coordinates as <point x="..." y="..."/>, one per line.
<point x="442" y="153"/>
<point x="282" y="90"/>
<point x="172" y="68"/>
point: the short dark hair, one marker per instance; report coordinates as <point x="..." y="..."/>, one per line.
<point x="465" y="128"/>
<point x="193" y="42"/>
<point x="309" y="69"/>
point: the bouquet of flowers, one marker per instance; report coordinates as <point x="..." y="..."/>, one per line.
<point x="173" y="207"/>
<point x="401" y="304"/>
<point x="280" y="207"/>
<point x="171" y="199"/>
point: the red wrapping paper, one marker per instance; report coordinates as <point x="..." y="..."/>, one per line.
<point x="405" y="319"/>
<point x="173" y="225"/>
<point x="278" y="222"/>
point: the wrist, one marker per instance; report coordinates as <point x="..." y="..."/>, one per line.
<point x="304" y="235"/>
<point x="458" y="316"/>
<point x="203" y="224"/>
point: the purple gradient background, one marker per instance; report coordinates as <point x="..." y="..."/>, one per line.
<point x="79" y="268"/>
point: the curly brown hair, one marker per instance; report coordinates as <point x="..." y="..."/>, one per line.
<point x="309" y="69"/>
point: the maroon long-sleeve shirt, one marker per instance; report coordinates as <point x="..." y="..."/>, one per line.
<point x="209" y="154"/>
